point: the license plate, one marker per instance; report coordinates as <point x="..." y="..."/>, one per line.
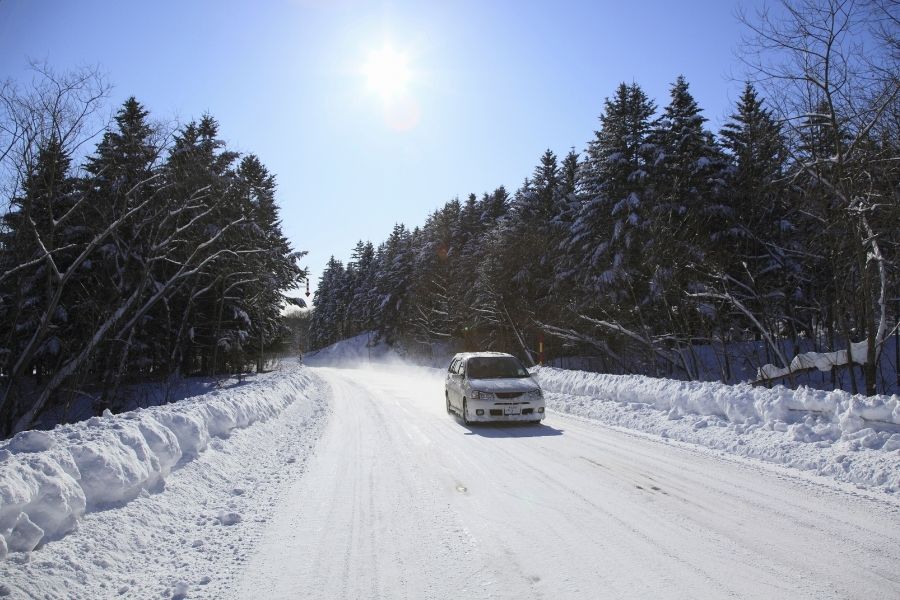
<point x="511" y="410"/>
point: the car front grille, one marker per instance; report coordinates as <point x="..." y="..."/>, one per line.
<point x="509" y="394"/>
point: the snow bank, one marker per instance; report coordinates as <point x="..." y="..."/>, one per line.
<point x="741" y="403"/>
<point x="48" y="480"/>
<point x="810" y="429"/>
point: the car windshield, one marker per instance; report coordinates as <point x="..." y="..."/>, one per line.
<point x="495" y="367"/>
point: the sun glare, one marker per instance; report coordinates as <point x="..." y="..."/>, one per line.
<point x="387" y="73"/>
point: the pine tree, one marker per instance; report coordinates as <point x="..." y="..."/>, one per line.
<point x="39" y="237"/>
<point x="326" y="324"/>
<point x="199" y="176"/>
<point x="688" y="171"/>
<point x="535" y="224"/>
<point x="269" y="258"/>
<point x="120" y="178"/>
<point x="361" y="270"/>
<point x="136" y="269"/>
<point x="687" y="215"/>
<point x="436" y="295"/>
<point x="482" y="325"/>
<point x="393" y="282"/>
<point x="761" y="269"/>
<point x="610" y="233"/>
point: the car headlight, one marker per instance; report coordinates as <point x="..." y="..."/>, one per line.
<point x="537" y="394"/>
<point x="476" y="395"/>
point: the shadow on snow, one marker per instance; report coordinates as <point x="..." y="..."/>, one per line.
<point x="510" y="430"/>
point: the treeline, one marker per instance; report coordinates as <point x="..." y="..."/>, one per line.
<point x="160" y="254"/>
<point x="662" y="237"/>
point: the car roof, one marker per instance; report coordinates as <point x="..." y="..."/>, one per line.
<point x="468" y="355"/>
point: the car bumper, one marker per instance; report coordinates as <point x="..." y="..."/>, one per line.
<point x="493" y="412"/>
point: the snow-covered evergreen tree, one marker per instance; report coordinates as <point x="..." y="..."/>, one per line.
<point x="40" y="234"/>
<point x="688" y="214"/>
<point x="609" y="238"/>
<point x="328" y="318"/>
<point x="268" y="256"/>
<point x="761" y="272"/>
<point x="361" y="274"/>
<point x="393" y="282"/>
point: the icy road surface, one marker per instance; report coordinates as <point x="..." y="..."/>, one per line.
<point x="403" y="501"/>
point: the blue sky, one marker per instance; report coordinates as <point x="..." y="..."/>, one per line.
<point x="494" y="84"/>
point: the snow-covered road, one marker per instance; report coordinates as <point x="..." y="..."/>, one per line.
<point x="403" y="501"/>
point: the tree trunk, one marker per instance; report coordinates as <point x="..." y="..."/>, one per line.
<point x="897" y="342"/>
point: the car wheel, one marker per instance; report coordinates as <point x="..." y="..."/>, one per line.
<point x="465" y="412"/>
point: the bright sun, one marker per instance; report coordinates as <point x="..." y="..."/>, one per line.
<point x="387" y="73"/>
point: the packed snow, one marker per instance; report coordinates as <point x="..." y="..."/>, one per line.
<point x="404" y="501"/>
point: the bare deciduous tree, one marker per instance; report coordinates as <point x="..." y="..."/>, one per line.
<point x="831" y="69"/>
<point x="67" y="107"/>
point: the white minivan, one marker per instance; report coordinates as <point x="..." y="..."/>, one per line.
<point x="492" y="386"/>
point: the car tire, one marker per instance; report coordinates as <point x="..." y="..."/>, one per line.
<point x="465" y="412"/>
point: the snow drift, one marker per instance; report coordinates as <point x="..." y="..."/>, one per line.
<point x="359" y="349"/>
<point x="812" y="429"/>
<point x="741" y="403"/>
<point x="362" y="350"/>
<point x="49" y="479"/>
